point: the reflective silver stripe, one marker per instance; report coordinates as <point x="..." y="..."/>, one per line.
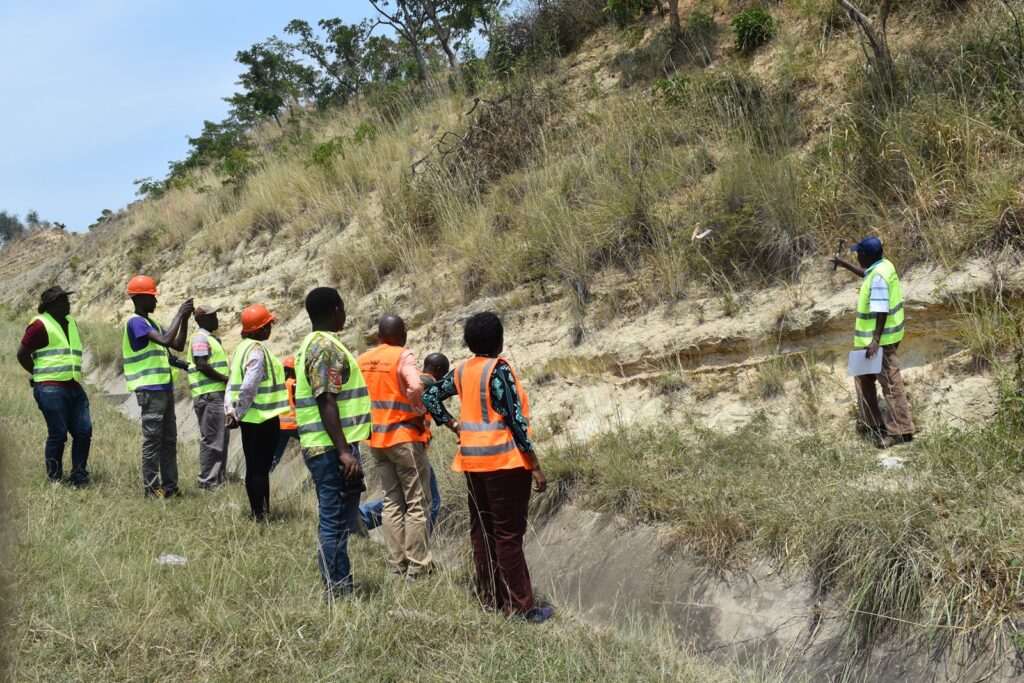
<point x="148" y="371"/>
<point x="482" y="426"/>
<point x="871" y="316"/>
<point x="143" y="356"/>
<point x="56" y="369"/>
<point x="218" y="364"/>
<point x="56" y="352"/>
<point x="346" y="395"/>
<point x="345" y="422"/>
<point x="483" y="389"/>
<point x="204" y="383"/>
<point x="392" y="405"/>
<point x="261" y="389"/>
<point x="887" y="330"/>
<point x="355" y="421"/>
<point x="459" y="376"/>
<point x="353" y="393"/>
<point x="384" y="429"/>
<point x="488" y="450"/>
<point x="271" y="406"/>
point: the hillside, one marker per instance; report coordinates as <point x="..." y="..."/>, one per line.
<point x="570" y="199"/>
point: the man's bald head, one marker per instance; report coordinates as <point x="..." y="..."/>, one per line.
<point x="391" y="330"/>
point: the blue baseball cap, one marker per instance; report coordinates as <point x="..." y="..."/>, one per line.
<point x="868" y="245"/>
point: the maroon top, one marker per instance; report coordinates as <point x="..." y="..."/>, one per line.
<point x="35" y="338"/>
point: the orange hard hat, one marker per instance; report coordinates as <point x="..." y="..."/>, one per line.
<point x="254" y="317"/>
<point x="140" y="284"/>
<point x="289" y="362"/>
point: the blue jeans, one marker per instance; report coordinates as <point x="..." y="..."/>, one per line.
<point x="338" y="500"/>
<point x="282" y="443"/>
<point x="65" y="409"/>
<point x="373" y="512"/>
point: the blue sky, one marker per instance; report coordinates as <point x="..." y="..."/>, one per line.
<point x="97" y="93"/>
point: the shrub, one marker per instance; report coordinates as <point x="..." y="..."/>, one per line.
<point x="752" y="29"/>
<point x="545" y="28"/>
<point x="625" y="12"/>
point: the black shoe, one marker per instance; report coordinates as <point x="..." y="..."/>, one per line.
<point x="173" y="493"/>
<point x="79" y="484"/>
<point x="153" y="493"/>
<point x="538" y="615"/>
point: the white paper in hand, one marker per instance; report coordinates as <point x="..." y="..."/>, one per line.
<point x="860" y="364"/>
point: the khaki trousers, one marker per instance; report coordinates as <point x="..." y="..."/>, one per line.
<point x="404" y="472"/>
<point x="897" y="421"/>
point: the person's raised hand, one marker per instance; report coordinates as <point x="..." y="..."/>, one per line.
<point x="350" y="465"/>
<point x="187" y="308"/>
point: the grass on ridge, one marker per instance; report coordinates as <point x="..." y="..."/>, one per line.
<point x="86" y="601"/>
<point x="938" y="544"/>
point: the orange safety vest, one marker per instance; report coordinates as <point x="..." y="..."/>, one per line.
<point x="288" y="419"/>
<point x="485" y="441"/>
<point x="395" y="420"/>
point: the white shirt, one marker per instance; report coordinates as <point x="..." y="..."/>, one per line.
<point x="879" y="300"/>
<point x="255" y="372"/>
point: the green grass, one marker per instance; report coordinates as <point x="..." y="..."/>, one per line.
<point x="85" y="600"/>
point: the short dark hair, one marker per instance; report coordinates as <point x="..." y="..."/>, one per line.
<point x="437" y="361"/>
<point x="484" y="333"/>
<point x="321" y="301"/>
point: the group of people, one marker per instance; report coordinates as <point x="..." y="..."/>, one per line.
<point x="331" y="401"/>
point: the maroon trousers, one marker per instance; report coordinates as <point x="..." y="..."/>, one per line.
<point x="498" y="503"/>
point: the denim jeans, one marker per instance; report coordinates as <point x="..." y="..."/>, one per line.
<point x="373" y="512"/>
<point x="282" y="444"/>
<point x="338" y="500"/>
<point x="65" y="409"/>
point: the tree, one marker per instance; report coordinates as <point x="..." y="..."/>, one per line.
<point x="10" y="226"/>
<point x="408" y="18"/>
<point x="32" y="217"/>
<point x="452" y="22"/>
<point x="272" y="82"/>
<point x="341" y="57"/>
<point x="673" y="19"/>
<point x="874" y="31"/>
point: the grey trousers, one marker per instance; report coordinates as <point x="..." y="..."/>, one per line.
<point x="213" y="439"/>
<point x="159" y="440"/>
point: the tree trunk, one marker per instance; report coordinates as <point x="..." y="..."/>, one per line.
<point x="673" y="19"/>
<point x="421" y="62"/>
<point x="443" y="36"/>
<point x="874" y="31"/>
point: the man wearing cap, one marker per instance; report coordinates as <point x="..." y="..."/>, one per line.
<point x="51" y="351"/>
<point x="207" y="380"/>
<point x="880" y="327"/>
<point x="148" y="373"/>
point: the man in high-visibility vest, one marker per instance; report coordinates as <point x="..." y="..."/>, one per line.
<point x="208" y="380"/>
<point x="496" y="453"/>
<point x="879" y="329"/>
<point x="398" y="443"/>
<point x="148" y="373"/>
<point x="371" y="514"/>
<point x="332" y="408"/>
<point x="51" y="351"/>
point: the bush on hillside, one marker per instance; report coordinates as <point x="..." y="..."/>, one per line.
<point x="625" y="12"/>
<point x="546" y="28"/>
<point x="752" y="29"/>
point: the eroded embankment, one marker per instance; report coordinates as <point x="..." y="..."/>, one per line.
<point x="613" y="572"/>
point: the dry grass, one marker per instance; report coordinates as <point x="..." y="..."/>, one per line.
<point x="88" y="602"/>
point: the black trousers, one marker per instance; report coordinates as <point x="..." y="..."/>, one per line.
<point x="259" y="441"/>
